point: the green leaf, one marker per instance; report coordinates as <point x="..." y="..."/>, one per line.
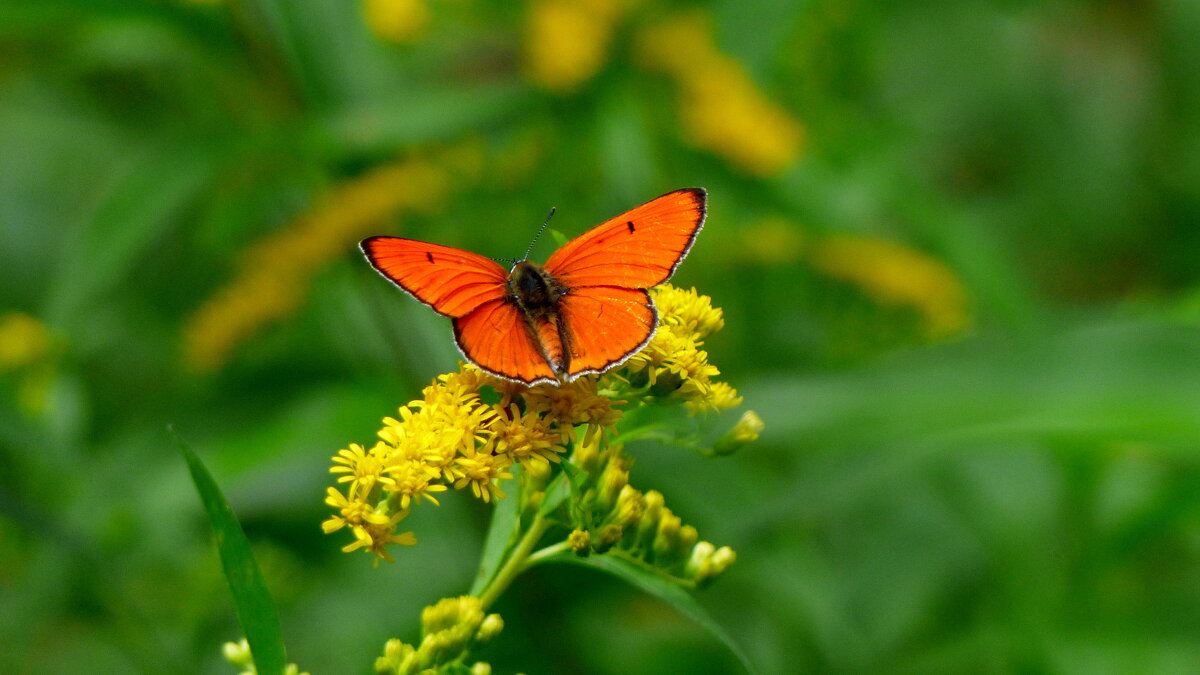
<point x="558" y="489"/>
<point x="256" y="610"/>
<point x="502" y="534"/>
<point x="665" y="590"/>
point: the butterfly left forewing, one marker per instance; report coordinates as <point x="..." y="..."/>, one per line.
<point x="638" y="249"/>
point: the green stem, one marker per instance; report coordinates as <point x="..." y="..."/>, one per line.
<point x="516" y="561"/>
<point x="550" y="551"/>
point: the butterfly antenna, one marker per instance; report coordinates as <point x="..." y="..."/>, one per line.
<point x="539" y="234"/>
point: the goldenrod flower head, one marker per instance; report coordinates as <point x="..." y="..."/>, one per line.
<point x="575" y="402"/>
<point x="398" y="657"/>
<point x="481" y="471"/>
<point x="708" y="562"/>
<point x="28" y="349"/>
<point x="490" y="628"/>
<point x="529" y="438"/>
<point x="238" y="654"/>
<point x="744" y="432"/>
<point x="673" y="363"/>
<point x="614" y="479"/>
<point x="451" y="437"/>
<point x="567" y="41"/>
<point x="687" y="312"/>
<point x="580" y="542"/>
<point x="23" y="341"/>
<point x="630" y="507"/>
<point x="896" y="275"/>
<point x="449" y="629"/>
<point x="721" y="108"/>
<point x="401" y="21"/>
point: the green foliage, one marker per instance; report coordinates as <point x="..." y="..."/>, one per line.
<point x="1018" y="495"/>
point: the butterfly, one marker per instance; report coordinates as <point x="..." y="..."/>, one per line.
<point x="585" y="311"/>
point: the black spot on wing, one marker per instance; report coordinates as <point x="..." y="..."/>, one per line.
<point x="629" y="224"/>
<point x="429" y="257"/>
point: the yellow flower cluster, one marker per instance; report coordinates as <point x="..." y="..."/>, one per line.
<point x="611" y="513"/>
<point x="401" y="21"/>
<point x="27" y="349"/>
<point x="567" y="41"/>
<point x="452" y="438"/>
<point x="896" y="275"/>
<point x="673" y="363"/>
<point x="276" y="271"/>
<point x="449" y="630"/>
<point x="721" y="108"/>
<point x="238" y="654"/>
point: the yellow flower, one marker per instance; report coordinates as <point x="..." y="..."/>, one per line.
<point x="721" y="109"/>
<point x="572" y="403"/>
<point x="481" y="471"/>
<point x="527" y="438"/>
<point x="687" y="312"/>
<point x="567" y="41"/>
<point x="673" y="364"/>
<point x="400" y="21"/>
<point x="27" y="348"/>
<point x="449" y="630"/>
<point x="744" y="432"/>
<point x="896" y="275"/>
<point x="23" y="341"/>
<point x="276" y="271"/>
<point x="362" y="469"/>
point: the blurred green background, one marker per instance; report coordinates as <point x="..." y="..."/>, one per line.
<point x="956" y="244"/>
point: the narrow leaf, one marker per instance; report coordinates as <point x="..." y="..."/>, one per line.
<point x="665" y="590"/>
<point x="256" y="610"/>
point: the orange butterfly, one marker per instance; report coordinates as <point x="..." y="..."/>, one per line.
<point x="585" y="311"/>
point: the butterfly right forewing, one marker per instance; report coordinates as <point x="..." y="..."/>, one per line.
<point x="452" y="281"/>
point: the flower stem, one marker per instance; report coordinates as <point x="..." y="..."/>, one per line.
<point x="516" y="561"/>
<point x="540" y="555"/>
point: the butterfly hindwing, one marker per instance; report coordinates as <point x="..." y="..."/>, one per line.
<point x="638" y="249"/>
<point x="606" y="325"/>
<point x="495" y="338"/>
<point x="452" y="281"/>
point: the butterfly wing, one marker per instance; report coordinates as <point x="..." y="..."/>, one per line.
<point x="469" y="288"/>
<point x="495" y="338"/>
<point x="452" y="281"/>
<point x="606" y="325"/>
<point x="607" y="312"/>
<point x="638" y="249"/>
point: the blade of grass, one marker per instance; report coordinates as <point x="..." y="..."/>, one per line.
<point x="252" y="600"/>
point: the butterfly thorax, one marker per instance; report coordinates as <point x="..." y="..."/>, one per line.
<point x="533" y="289"/>
<point x="536" y="293"/>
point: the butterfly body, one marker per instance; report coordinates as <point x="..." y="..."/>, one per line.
<point x="585" y="311"/>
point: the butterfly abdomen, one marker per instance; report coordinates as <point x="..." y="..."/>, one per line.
<point x="536" y="294"/>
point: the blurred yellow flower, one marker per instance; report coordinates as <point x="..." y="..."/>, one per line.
<point x="401" y="21"/>
<point x="567" y="41"/>
<point x="23" y="341"/>
<point x="276" y="271"/>
<point x="27" y="349"/>
<point x="721" y="109"/>
<point x="895" y="275"/>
